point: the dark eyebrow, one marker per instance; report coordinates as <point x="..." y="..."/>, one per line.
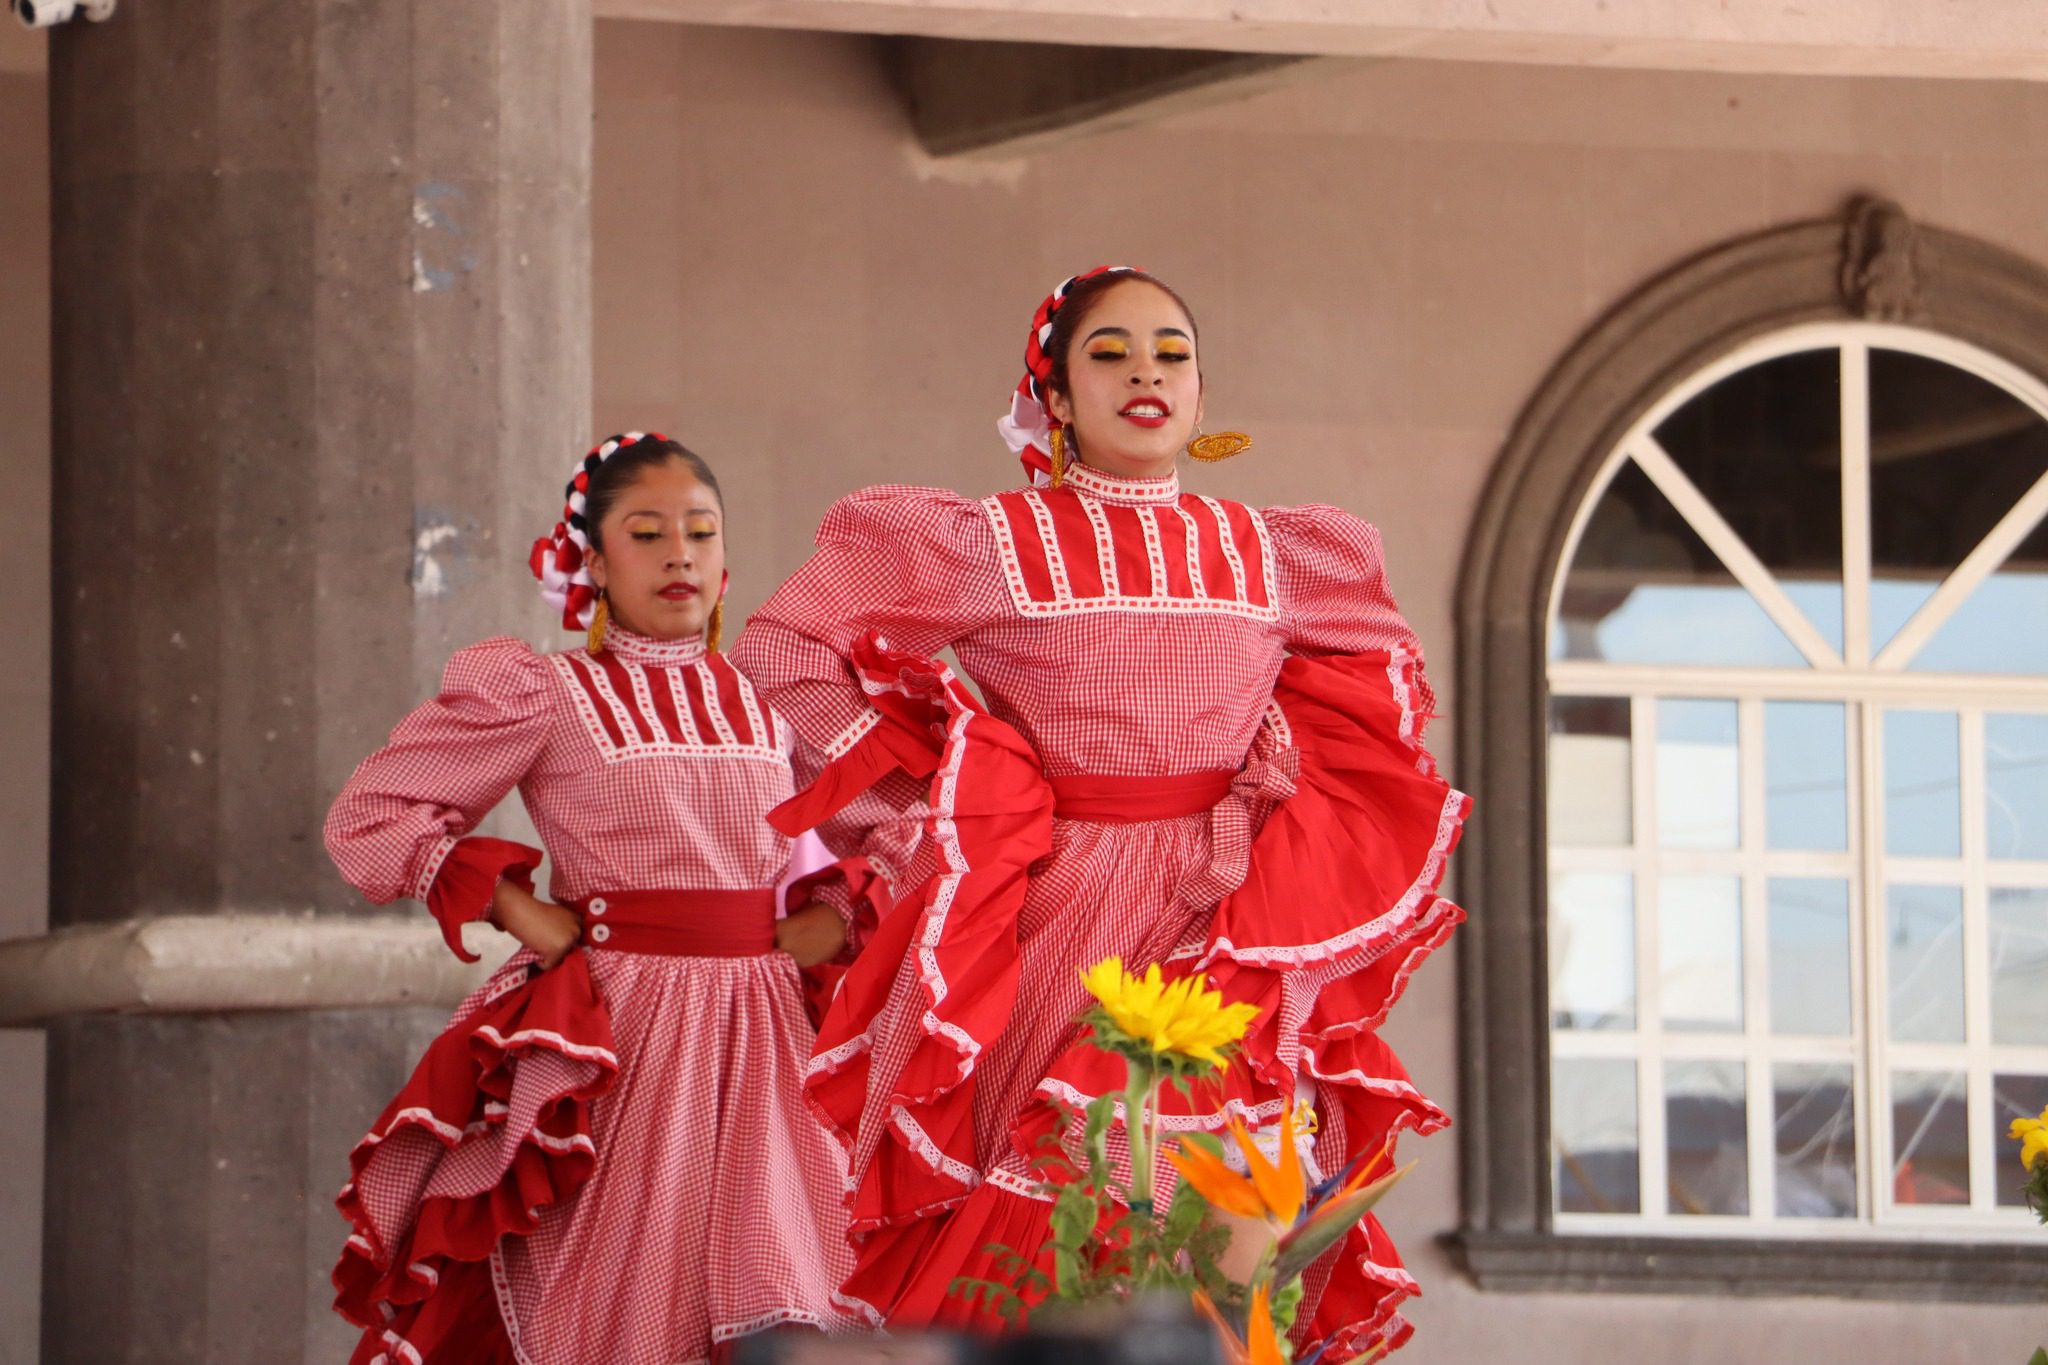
<point x="654" y="512"/>
<point x="1173" y="332"/>
<point x="1109" y="332"/>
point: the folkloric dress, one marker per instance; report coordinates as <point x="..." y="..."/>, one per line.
<point x="610" y="1160"/>
<point x="1201" y="745"/>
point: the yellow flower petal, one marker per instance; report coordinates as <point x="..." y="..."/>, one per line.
<point x="1184" y="1017"/>
<point x="2034" y="1146"/>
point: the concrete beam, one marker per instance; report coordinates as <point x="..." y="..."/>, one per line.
<point x="1011" y="98"/>
<point x="1969" y="39"/>
<point x="222" y="963"/>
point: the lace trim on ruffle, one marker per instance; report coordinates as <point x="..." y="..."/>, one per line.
<point x="762" y="1322"/>
<point x="549" y="1038"/>
<point x="1215" y="1121"/>
<point x="843" y="742"/>
<point x="1010" y="1182"/>
<point x="859" y="1306"/>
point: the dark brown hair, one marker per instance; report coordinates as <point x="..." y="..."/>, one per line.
<point x="1082" y="300"/>
<point x="623" y="469"/>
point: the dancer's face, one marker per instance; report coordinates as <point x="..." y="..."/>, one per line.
<point x="1134" y="382"/>
<point x="662" y="555"/>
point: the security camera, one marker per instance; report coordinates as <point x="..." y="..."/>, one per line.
<point x="50" y="13"/>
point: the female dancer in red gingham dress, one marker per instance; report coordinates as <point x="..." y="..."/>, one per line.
<point x="1201" y="746"/>
<point x="608" y="1159"/>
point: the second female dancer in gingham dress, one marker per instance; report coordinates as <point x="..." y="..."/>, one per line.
<point x="606" y="1156"/>
<point x="1201" y="746"/>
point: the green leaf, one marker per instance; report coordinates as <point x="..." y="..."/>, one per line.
<point x="2040" y="1357"/>
<point x="1208" y="1142"/>
<point x="1184" y="1218"/>
<point x="1073" y="1218"/>
<point x="1286" y="1301"/>
<point x="1095" y="1137"/>
<point x="995" y="1298"/>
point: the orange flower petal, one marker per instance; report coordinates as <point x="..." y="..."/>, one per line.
<point x="1262" y="1343"/>
<point x="1280" y="1184"/>
<point x="1222" y="1187"/>
<point x="1233" y="1349"/>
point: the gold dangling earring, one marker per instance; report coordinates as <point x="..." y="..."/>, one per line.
<point x="600" y="617"/>
<point x="1058" y="441"/>
<point x="717" y="626"/>
<point x="1220" y="446"/>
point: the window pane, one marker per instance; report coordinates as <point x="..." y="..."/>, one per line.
<point x="1814" y="1114"/>
<point x="1699" y="942"/>
<point x="1593" y="1132"/>
<point x="1930" y="1138"/>
<point x="1592" y="950"/>
<point x="1806" y="775"/>
<point x="1809" y="953"/>
<point x="1764" y="446"/>
<point x="1706" y="1133"/>
<point x="2016" y="785"/>
<point x="1949" y="455"/>
<point x="1699" y="778"/>
<point x="1924" y="941"/>
<point x="2019" y="965"/>
<point x="1644" y="588"/>
<point x="1589" y="771"/>
<point x="2013" y="1097"/>
<point x="1923" y="814"/>
<point x="1979" y="637"/>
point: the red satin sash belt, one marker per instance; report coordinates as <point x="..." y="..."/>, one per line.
<point x="1114" y="800"/>
<point x="680" y="923"/>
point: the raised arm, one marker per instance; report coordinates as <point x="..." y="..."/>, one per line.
<point x="398" y="826"/>
<point x="916" y="564"/>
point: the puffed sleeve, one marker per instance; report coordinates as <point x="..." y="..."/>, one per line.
<point x="916" y="564"/>
<point x="398" y="826"/>
<point x="1334" y="597"/>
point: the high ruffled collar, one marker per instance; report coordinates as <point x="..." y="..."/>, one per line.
<point x="1087" y="479"/>
<point x="635" y="648"/>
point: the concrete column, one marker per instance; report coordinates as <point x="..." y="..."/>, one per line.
<point x="322" y="351"/>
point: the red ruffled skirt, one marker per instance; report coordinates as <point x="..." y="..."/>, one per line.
<point x="1309" y="890"/>
<point x="607" y="1161"/>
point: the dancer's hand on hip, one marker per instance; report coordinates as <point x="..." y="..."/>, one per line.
<point x="543" y="926"/>
<point x="812" y="935"/>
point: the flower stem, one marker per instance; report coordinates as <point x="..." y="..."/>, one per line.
<point x="1142" y="1085"/>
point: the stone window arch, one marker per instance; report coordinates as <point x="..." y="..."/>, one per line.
<point x="1697" y="621"/>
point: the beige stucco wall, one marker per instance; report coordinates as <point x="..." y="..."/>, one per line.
<point x="1384" y="261"/>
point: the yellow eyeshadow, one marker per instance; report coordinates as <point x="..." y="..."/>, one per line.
<point x="1109" y="348"/>
<point x="1174" y="348"/>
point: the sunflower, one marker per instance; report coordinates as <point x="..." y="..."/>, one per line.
<point x="1183" y="1023"/>
<point x="2033" y="1138"/>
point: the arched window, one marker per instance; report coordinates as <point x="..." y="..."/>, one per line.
<point x="1785" y="799"/>
<point x="1798" y="793"/>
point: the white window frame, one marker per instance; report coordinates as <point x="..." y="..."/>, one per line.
<point x="1865" y="685"/>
